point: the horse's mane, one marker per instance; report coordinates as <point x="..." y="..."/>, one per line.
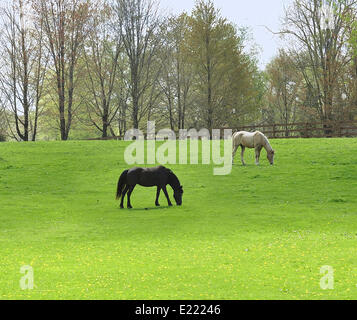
<point x="174" y="181"/>
<point x="266" y="140"/>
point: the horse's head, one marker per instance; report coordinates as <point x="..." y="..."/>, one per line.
<point x="271" y="155"/>
<point x="178" y="195"/>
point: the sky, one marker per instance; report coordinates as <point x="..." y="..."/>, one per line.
<point x="255" y="14"/>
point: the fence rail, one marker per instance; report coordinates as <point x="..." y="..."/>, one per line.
<point x="292" y="130"/>
<point x="106" y="138"/>
<point x="305" y="129"/>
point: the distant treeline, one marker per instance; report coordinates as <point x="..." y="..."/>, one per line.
<point x="72" y="69"/>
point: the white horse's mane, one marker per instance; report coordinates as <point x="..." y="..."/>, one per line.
<point x="267" y="143"/>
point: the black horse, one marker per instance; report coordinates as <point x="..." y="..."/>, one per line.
<point x="149" y="177"/>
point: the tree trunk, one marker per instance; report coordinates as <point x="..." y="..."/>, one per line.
<point x="135" y="113"/>
<point x="105" y="123"/>
<point x="209" y="87"/>
<point x="25" y="76"/>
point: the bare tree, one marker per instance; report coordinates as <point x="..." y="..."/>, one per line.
<point x="65" y="24"/>
<point x="322" y="36"/>
<point x="184" y="72"/>
<point x="283" y="89"/>
<point x="137" y="22"/>
<point x="177" y="75"/>
<point x="101" y="60"/>
<point x="122" y="98"/>
<point x="23" y="68"/>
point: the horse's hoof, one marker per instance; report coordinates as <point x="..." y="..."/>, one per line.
<point x="121" y="207"/>
<point x="130" y="207"/>
<point x="157" y="205"/>
<point x="170" y="205"/>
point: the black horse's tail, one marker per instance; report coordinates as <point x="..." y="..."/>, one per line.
<point x="121" y="184"/>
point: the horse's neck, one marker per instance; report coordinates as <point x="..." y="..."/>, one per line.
<point x="266" y="144"/>
<point x="173" y="181"/>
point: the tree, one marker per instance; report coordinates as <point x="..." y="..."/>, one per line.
<point x="322" y="36"/>
<point x="65" y="24"/>
<point x="177" y="74"/>
<point x="352" y="23"/>
<point x="283" y="89"/>
<point x="137" y="24"/>
<point x="23" y="68"/>
<point x="101" y="59"/>
<point x="224" y="73"/>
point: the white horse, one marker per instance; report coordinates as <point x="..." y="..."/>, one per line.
<point x="256" y="140"/>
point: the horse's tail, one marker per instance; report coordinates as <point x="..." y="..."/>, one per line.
<point x="121" y="184"/>
<point x="234" y="138"/>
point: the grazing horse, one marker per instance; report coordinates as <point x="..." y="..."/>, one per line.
<point x="149" y="177"/>
<point x="256" y="140"/>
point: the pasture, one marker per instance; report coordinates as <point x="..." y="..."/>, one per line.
<point x="259" y="233"/>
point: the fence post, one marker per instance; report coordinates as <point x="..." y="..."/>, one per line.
<point x="306" y="128"/>
<point x="340" y="129"/>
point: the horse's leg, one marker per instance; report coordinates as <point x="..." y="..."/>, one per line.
<point x="257" y="154"/>
<point x="167" y="196"/>
<point x="157" y="196"/>
<point x="131" y="188"/>
<point x="123" y="196"/>
<point x="242" y="155"/>
<point x="234" y="152"/>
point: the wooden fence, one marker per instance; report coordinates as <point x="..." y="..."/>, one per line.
<point x="293" y="130"/>
<point x="306" y="130"/>
<point x="104" y="139"/>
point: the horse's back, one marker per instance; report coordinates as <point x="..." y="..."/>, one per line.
<point x="141" y="170"/>
<point x="245" y="138"/>
<point x="133" y="175"/>
<point x="147" y="177"/>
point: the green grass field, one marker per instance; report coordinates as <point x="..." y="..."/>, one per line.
<point x="259" y="233"/>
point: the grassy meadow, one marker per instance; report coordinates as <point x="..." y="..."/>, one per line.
<point x="260" y="233"/>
